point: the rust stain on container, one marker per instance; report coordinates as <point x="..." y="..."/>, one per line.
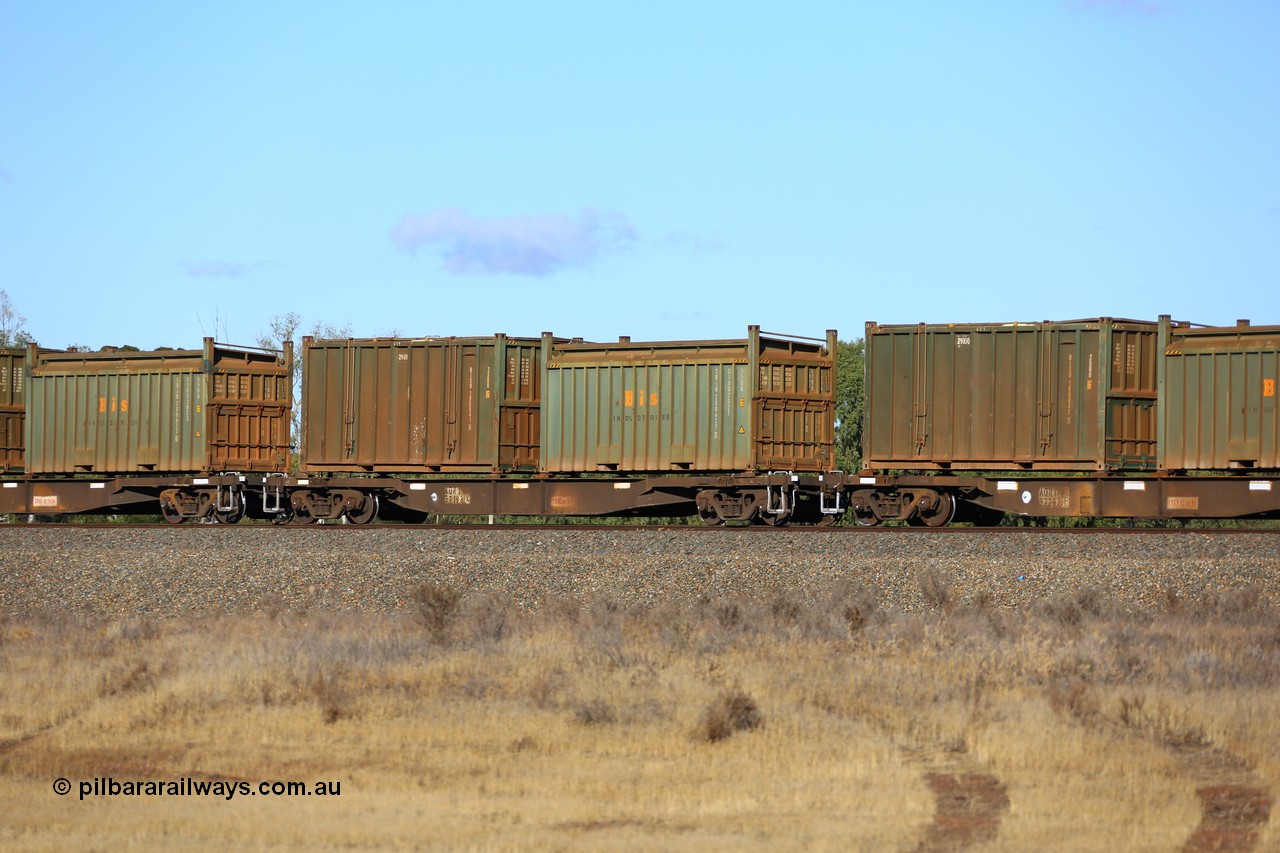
<point x="219" y="408"/>
<point x="1220" y="403"/>
<point x="1075" y="395"/>
<point x="407" y="405"/>
<point x="13" y="409"/>
<point x="764" y="402"/>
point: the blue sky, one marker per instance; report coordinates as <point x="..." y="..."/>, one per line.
<point x="660" y="170"/>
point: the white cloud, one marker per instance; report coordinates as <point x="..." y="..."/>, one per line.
<point x="535" y="245"/>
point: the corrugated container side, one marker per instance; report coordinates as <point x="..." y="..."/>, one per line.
<point x="1130" y="425"/>
<point x="250" y="403"/>
<point x="13" y="409"/>
<point x="520" y="405"/>
<point x="762" y="403"/>
<point x="1219" y="399"/>
<point x="1078" y="395"/>
<point x="795" y="404"/>
<point x="170" y="411"/>
<point x="409" y="405"/>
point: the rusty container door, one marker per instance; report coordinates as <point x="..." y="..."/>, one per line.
<point x="162" y="411"/>
<point x="794" y="427"/>
<point x="420" y="405"/>
<point x="13" y="409"/>
<point x="250" y="404"/>
<point x="1219" y="399"/>
<point x="1078" y="395"/>
<point x="520" y="404"/>
<point x="761" y="403"/>
<point x="1129" y="394"/>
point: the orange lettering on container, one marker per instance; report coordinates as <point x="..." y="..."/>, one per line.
<point x="102" y="404"/>
<point x="1268" y="387"/>
<point x="628" y="398"/>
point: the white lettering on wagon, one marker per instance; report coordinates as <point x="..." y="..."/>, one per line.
<point x="1056" y="498"/>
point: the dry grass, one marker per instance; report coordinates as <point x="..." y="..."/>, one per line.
<point x="766" y="723"/>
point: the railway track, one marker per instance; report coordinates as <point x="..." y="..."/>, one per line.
<point x="888" y="530"/>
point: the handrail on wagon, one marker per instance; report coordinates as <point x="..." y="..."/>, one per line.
<point x="247" y="348"/>
<point x="793" y="337"/>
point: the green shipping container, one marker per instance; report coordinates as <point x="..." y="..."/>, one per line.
<point x="216" y="409"/>
<point x="762" y="403"/>
<point x="1219" y="398"/>
<point x="1075" y="395"/>
<point x="421" y="405"/>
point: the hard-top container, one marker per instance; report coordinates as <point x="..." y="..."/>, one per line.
<point x="1074" y="395"/>
<point x="406" y="405"/>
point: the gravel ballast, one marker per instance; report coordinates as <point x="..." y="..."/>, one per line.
<point x="162" y="572"/>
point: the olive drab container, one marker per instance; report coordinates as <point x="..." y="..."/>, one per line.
<point x="421" y="405"/>
<point x="760" y="403"/>
<point x="1073" y="395"/>
<point x="1219" y="398"/>
<point x="220" y="408"/>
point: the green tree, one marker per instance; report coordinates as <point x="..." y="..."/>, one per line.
<point x="285" y="327"/>
<point x="850" y="400"/>
<point x="12" y="333"/>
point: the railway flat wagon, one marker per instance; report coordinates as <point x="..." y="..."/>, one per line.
<point x="13" y="409"/>
<point x="1075" y="395"/>
<point x="421" y="405"/>
<point x="220" y="408"/>
<point x="1219" y="399"/>
<point x="762" y="403"/>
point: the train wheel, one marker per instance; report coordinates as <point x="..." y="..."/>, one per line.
<point x="232" y="515"/>
<point x="775" y="519"/>
<point x="710" y="518"/>
<point x="939" y="515"/>
<point x="830" y="520"/>
<point x="864" y="517"/>
<point x="299" y="515"/>
<point x="367" y="512"/>
<point x="171" y="513"/>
